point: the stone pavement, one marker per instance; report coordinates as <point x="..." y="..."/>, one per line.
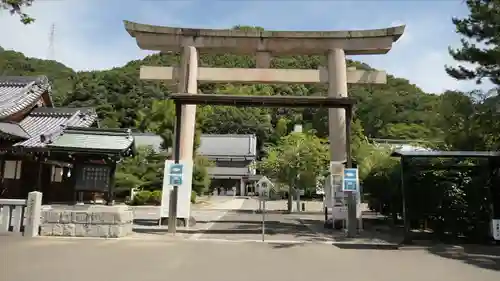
<point x="146" y="225"/>
<point x="312" y="206"/>
<point x="281" y="205"/>
<point x="153" y="212"/>
<point x="60" y="259"/>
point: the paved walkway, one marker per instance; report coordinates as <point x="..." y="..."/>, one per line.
<point x="59" y="259"/>
<point x="147" y="227"/>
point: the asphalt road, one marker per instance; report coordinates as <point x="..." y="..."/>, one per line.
<point x="59" y="259"/>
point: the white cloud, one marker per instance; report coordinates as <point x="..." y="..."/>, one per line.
<point x="421" y="54"/>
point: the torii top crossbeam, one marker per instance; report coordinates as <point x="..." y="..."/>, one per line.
<point x="355" y="42"/>
<point x="264" y="101"/>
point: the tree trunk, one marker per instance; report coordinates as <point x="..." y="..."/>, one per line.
<point x="290" y="202"/>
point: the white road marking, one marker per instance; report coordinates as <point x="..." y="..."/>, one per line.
<point x="197" y="236"/>
<point x="238" y="202"/>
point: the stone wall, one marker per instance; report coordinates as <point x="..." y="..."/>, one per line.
<point x="87" y="221"/>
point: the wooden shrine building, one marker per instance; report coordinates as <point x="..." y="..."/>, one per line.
<point x="58" y="151"/>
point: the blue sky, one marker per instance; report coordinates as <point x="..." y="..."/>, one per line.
<point x="90" y="34"/>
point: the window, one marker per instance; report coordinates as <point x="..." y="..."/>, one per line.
<point x="12" y="170"/>
<point x="57" y="173"/>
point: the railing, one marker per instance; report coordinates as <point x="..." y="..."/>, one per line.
<point x="12" y="215"/>
<point x="21" y="215"/>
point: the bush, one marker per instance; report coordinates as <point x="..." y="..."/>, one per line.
<point x="155" y="198"/>
<point x="141" y="197"/>
<point x="146" y="197"/>
<point x="193" y="197"/>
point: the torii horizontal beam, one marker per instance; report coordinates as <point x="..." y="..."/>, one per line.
<point x="264" y="75"/>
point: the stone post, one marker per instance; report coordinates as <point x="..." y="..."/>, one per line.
<point x="337" y="87"/>
<point x="33" y="214"/>
<point x="242" y="187"/>
<point x="263" y="59"/>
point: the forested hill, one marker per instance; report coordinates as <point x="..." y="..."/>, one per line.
<point x="396" y="110"/>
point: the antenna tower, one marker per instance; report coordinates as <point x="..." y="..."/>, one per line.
<point x="51" y="52"/>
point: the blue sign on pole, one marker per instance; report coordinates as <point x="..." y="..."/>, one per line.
<point x="175" y="179"/>
<point x="350" y="182"/>
<point x="176" y="169"/>
<point x="175" y="174"/>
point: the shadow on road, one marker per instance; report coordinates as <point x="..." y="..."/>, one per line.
<point x="482" y="256"/>
<point x="273" y="212"/>
<point x="285" y="245"/>
<point x="146" y="222"/>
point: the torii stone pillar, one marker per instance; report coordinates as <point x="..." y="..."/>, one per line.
<point x="265" y="44"/>
<point x="188" y="83"/>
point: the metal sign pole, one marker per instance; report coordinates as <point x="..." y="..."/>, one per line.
<point x="172" y="212"/>
<point x="263" y="219"/>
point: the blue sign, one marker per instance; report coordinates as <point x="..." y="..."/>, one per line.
<point x="351" y="182"/>
<point x="176" y="169"/>
<point x="175" y="180"/>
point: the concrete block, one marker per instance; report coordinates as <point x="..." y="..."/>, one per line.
<point x="97" y="230"/>
<point x="80" y="217"/>
<point x="51" y="216"/>
<point x="57" y="229"/>
<point x="68" y="229"/>
<point x="120" y="230"/>
<point x="87" y="221"/>
<point x="103" y="218"/>
<point x="46" y="229"/>
<point x="81" y="230"/>
<point x="65" y="217"/>
<point x="124" y="217"/>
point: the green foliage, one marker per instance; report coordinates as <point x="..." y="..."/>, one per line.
<point x="146" y="197"/>
<point x="15" y="7"/>
<point x="297" y="160"/>
<point x="380" y="176"/>
<point x="144" y="171"/>
<point x="159" y="119"/>
<point x="142" y="197"/>
<point x="201" y="178"/>
<point x="480" y="43"/>
<point x="452" y="201"/>
<point x="194" y="195"/>
<point x="471" y="121"/>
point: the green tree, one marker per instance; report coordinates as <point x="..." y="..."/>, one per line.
<point x="201" y="178"/>
<point x="379" y="174"/>
<point x="297" y="161"/>
<point x="144" y="170"/>
<point x="15" y="7"/>
<point x="471" y="121"/>
<point x="481" y="42"/>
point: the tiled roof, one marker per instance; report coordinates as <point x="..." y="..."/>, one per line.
<point x="13" y="129"/>
<point x="85" y="139"/>
<point x="50" y="122"/>
<point x="148" y="139"/>
<point x="229" y="145"/>
<point x="17" y="93"/>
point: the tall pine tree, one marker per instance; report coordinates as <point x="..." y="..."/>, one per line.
<point x="480" y="42"/>
<point x="15" y="7"/>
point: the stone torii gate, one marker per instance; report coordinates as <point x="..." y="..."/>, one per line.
<point x="266" y="44"/>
